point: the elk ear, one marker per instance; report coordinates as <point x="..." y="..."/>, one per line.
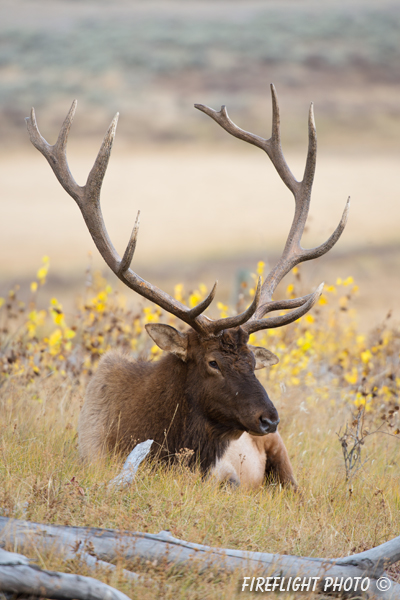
<point x="264" y="357"/>
<point x="169" y="339"/>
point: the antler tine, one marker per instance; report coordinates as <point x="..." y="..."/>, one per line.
<point x="98" y="171"/>
<point x="293" y="253"/>
<point x="56" y="154"/>
<point x="66" y="126"/>
<point x="257" y="325"/>
<point x="201" y="307"/>
<point x="311" y="253"/>
<point x="222" y="118"/>
<point x="273" y="147"/>
<point x="217" y="326"/>
<point x="131" y="247"/>
<point x="283" y="305"/>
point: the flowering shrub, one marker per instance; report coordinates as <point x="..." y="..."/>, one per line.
<point x="322" y="353"/>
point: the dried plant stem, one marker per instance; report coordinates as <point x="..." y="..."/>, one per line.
<point x="352" y="440"/>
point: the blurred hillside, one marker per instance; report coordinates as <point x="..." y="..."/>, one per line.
<point x="210" y="205"/>
<point x="153" y="60"/>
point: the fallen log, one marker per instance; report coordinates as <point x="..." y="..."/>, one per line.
<point x="108" y="545"/>
<point x="18" y="576"/>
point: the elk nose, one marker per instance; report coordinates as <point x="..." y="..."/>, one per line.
<point x="268" y="426"/>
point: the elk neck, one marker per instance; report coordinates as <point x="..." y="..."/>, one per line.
<point x="178" y="419"/>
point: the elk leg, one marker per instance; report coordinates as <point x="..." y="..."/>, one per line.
<point x="224" y="472"/>
<point x="278" y="467"/>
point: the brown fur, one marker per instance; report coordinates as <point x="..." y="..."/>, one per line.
<point x="180" y="403"/>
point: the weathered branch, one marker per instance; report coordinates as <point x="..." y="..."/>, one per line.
<point x="18" y="576"/>
<point x="107" y="545"/>
<point x="131" y="465"/>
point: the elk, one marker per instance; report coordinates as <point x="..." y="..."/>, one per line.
<point x="202" y="394"/>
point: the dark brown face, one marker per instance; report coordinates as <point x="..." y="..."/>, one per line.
<point x="222" y="383"/>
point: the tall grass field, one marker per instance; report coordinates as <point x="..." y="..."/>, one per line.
<point x="330" y="376"/>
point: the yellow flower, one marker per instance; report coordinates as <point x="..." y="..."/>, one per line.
<point x="149" y="315"/>
<point x="194" y="298"/>
<point x="155" y="352"/>
<point x="366" y="356"/>
<point x="58" y="318"/>
<point x="348" y="281"/>
<point x="260" y="267"/>
<point x="178" y="292"/>
<point x="55" y="337"/>
<point x="41" y="274"/>
<point x="352" y="377"/>
<point x="305" y="342"/>
<point x="223" y="310"/>
<point x="44" y="269"/>
<point x="137" y="327"/>
<point x="252" y="339"/>
<point x="359" y="400"/>
<point x="34" y="286"/>
<point x="55" y="340"/>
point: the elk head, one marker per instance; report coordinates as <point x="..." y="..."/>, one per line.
<point x="217" y="349"/>
<point x="221" y="379"/>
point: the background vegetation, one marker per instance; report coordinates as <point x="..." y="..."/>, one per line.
<point x="149" y="60"/>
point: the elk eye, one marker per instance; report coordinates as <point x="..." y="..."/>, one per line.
<point x="213" y="364"/>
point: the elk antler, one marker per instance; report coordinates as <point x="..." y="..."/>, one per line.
<point x="88" y="199"/>
<point x="293" y="253"/>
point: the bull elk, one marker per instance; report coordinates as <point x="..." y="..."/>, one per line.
<point x="203" y="393"/>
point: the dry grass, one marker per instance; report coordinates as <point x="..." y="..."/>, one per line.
<point x="326" y="372"/>
<point x="40" y="459"/>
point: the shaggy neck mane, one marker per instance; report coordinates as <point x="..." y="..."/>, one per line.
<point x="181" y="423"/>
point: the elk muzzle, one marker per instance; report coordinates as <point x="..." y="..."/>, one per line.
<point x="268" y="426"/>
<point x="263" y="417"/>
